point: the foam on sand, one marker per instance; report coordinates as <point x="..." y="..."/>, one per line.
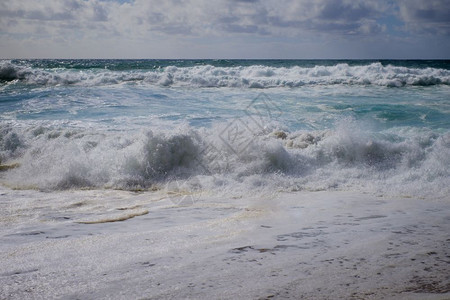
<point x="317" y="245"/>
<point x="119" y="218"/>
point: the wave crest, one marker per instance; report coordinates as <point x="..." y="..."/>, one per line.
<point x="405" y="160"/>
<point x="255" y="76"/>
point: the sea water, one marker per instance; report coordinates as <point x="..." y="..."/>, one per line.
<point x="185" y="178"/>
<point x="226" y="124"/>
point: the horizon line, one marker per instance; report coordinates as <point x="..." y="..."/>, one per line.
<point x="67" y="58"/>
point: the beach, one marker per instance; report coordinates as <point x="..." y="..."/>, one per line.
<point x="224" y="179"/>
<point x="302" y="245"/>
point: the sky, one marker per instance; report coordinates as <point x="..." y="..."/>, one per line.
<point x="295" y="29"/>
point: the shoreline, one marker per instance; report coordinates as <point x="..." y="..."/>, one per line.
<point x="300" y="245"/>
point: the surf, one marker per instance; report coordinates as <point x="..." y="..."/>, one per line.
<point x="246" y="76"/>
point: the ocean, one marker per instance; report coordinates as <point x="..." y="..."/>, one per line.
<point x="140" y="124"/>
<point x="174" y="143"/>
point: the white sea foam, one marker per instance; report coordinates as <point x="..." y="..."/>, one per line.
<point x="412" y="161"/>
<point x="255" y="76"/>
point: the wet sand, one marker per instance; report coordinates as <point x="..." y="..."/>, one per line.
<point x="302" y="245"/>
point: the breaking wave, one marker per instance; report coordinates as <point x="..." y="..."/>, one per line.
<point x="254" y="76"/>
<point x="404" y="161"/>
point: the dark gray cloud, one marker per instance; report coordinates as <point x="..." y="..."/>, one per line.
<point x="346" y="11"/>
<point x="431" y="16"/>
<point x="337" y="17"/>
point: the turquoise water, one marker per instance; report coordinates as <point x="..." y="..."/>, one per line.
<point x="289" y="124"/>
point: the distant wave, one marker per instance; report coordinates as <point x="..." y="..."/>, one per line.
<point x="254" y="76"/>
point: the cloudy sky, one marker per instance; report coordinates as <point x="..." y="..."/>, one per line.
<point x="225" y="29"/>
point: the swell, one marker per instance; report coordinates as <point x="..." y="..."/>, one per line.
<point x="248" y="76"/>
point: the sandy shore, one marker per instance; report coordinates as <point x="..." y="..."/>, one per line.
<point x="303" y="245"/>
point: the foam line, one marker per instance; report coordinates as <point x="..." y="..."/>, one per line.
<point x="255" y="76"/>
<point x="116" y="219"/>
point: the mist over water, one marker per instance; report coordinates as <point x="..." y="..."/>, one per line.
<point x="226" y="126"/>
